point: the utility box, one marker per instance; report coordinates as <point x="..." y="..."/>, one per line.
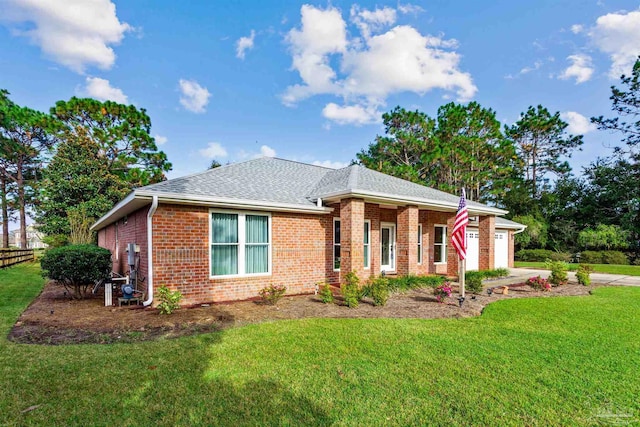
<point x="132" y="249"/>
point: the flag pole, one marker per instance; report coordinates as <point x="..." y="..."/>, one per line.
<point x="463" y="268"/>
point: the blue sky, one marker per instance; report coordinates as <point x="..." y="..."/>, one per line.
<point x="308" y="82"/>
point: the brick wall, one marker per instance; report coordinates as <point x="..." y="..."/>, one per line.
<point x="487" y="231"/>
<point x="116" y="236"/>
<point x="300" y="255"/>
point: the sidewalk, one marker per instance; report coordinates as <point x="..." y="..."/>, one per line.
<point x="519" y="275"/>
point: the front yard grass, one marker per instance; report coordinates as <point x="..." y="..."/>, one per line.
<point x="627" y="270"/>
<point x="538" y="361"/>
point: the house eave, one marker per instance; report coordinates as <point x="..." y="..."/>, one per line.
<point x="140" y="198"/>
<point x="384" y="198"/>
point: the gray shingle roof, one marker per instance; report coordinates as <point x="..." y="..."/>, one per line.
<point x="286" y="185"/>
<point x="358" y="178"/>
<point x="284" y="181"/>
<point x="507" y="223"/>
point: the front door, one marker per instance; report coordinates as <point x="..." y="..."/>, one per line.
<point x="388" y="246"/>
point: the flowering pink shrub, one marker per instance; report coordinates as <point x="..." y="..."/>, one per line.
<point x="539" y="284"/>
<point x="442" y="292"/>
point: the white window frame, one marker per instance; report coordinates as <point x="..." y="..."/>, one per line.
<point x="367" y="245"/>
<point x="443" y="244"/>
<point x="420" y="244"/>
<point x="242" y="243"/>
<point x="334" y="244"/>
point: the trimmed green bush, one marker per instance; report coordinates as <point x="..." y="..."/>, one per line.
<point x="169" y="300"/>
<point x="473" y="281"/>
<point x="326" y="295"/>
<point x="559" y="274"/>
<point x="378" y="289"/>
<point x="76" y="267"/>
<point x="604" y="257"/>
<point x="583" y="274"/>
<point x="541" y="255"/>
<point x="351" y="292"/>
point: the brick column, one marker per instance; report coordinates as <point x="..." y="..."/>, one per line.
<point x="351" y="237"/>
<point x="512" y="250"/>
<point x="487" y="229"/>
<point x="407" y="240"/>
<point x="452" y="255"/>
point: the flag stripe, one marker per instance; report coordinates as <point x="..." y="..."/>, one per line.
<point x="459" y="233"/>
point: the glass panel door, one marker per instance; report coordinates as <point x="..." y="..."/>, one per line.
<point x="387" y="245"/>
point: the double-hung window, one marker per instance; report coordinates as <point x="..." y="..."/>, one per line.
<point x="367" y="244"/>
<point x="440" y="244"/>
<point x="419" y="243"/>
<point x="240" y="244"/>
<point x="336" y="244"/>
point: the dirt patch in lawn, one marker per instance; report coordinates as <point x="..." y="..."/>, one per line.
<point x="53" y="318"/>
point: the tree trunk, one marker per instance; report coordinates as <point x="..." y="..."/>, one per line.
<point x="5" y="212"/>
<point x="23" y="208"/>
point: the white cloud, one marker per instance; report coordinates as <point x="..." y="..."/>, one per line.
<point x="330" y="164"/>
<point x="581" y="68"/>
<point x="372" y="20"/>
<point x="364" y="71"/>
<point x="618" y="35"/>
<point x="74" y="33"/>
<point x="266" y="151"/>
<point x="409" y="8"/>
<point x="213" y="150"/>
<point x="577" y="28"/>
<point x="243" y="44"/>
<point x="351" y="114"/>
<point x="102" y="90"/>
<point x="160" y="140"/>
<point x="194" y="97"/>
<point x="578" y="124"/>
<point x="527" y="70"/>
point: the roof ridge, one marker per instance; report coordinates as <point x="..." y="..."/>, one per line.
<point x="353" y="177"/>
<point x="300" y="163"/>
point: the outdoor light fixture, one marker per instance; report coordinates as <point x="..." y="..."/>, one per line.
<point x="461" y="301"/>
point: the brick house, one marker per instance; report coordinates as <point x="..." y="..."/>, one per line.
<point x="224" y="234"/>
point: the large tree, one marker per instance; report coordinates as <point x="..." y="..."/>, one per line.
<point x="106" y="150"/>
<point x="408" y="149"/>
<point x="77" y="180"/>
<point x="542" y="143"/>
<point x="26" y="136"/>
<point x="123" y="133"/>
<point x="626" y="105"/>
<point x="462" y="148"/>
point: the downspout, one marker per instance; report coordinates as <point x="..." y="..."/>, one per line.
<point x="519" y="231"/>
<point x="152" y="210"/>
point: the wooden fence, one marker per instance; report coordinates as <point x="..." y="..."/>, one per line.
<point x="9" y="257"/>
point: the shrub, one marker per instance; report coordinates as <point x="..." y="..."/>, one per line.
<point x="604" y="237"/>
<point x="76" y="267"/>
<point x="614" y="257"/>
<point x="473" y="282"/>
<point x="169" y="300"/>
<point x="405" y="283"/>
<point x="378" y="289"/>
<point x="350" y="289"/>
<point x="558" y="272"/>
<point x="442" y="292"/>
<point x="604" y="257"/>
<point x="539" y="283"/>
<point x="272" y="294"/>
<point x="326" y="295"/>
<point x="495" y="274"/>
<point x="583" y="274"/>
<point x="538" y="255"/>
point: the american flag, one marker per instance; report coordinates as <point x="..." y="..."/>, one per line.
<point x="459" y="234"/>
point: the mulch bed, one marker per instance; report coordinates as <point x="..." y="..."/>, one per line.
<point x="52" y="318"/>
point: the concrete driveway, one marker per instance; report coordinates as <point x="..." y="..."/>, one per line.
<point x="519" y="275"/>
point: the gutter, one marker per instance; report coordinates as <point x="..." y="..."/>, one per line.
<point x="152" y="210"/>
<point x="520" y="230"/>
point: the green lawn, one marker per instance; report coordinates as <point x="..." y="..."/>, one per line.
<point x="628" y="270"/>
<point x="547" y="361"/>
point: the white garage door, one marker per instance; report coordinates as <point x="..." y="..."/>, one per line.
<point x="473" y="249"/>
<point x="502" y="249"/>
